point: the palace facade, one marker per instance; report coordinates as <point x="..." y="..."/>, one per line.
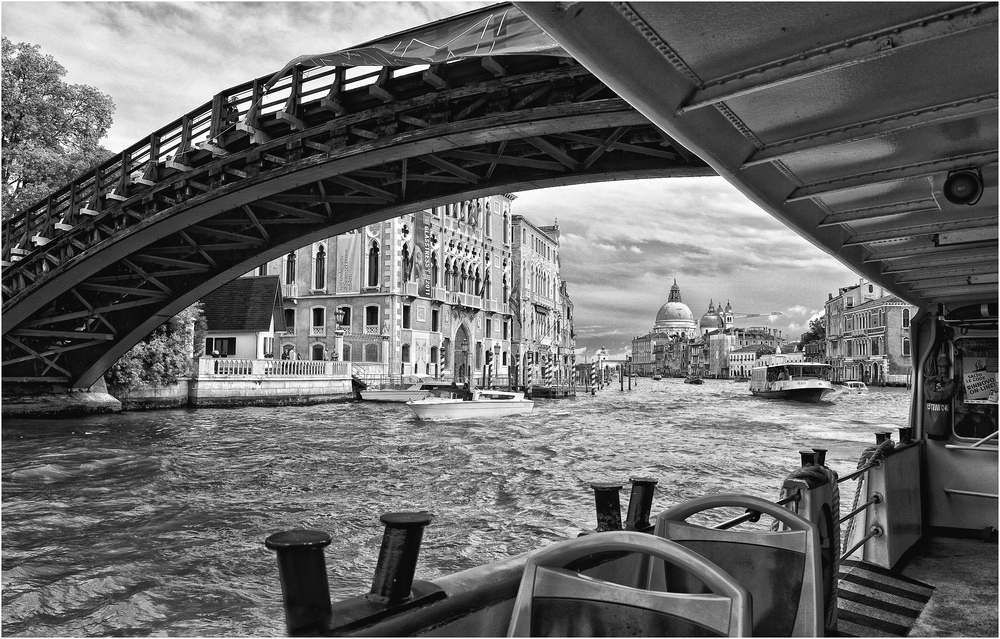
<point x="457" y="292"/>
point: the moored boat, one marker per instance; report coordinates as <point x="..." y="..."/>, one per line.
<point x="481" y="403"/>
<point x="693" y="379"/>
<point x="799" y="381"/>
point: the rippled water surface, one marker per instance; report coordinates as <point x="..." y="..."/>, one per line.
<point x="153" y="523"/>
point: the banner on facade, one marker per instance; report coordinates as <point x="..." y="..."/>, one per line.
<point x="422" y="254"/>
<point x="349" y="263"/>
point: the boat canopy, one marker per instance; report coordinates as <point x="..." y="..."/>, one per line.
<point x="868" y="128"/>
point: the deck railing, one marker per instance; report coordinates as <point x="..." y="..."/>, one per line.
<point x="208" y="366"/>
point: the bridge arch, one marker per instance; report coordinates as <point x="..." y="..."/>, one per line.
<point x="103" y="261"/>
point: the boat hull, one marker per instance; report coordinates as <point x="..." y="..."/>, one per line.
<point x="803" y="394"/>
<point x="433" y="409"/>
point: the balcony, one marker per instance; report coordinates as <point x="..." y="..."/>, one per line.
<point x="290" y="290"/>
<point x="371" y="329"/>
<point x="317" y="331"/>
<point x="411" y="288"/>
<point x="491" y="306"/>
<point x="471" y="301"/>
<point x="438" y="294"/>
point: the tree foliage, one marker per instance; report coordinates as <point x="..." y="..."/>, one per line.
<point x="163" y="357"/>
<point x="816" y="332"/>
<point x="51" y="129"/>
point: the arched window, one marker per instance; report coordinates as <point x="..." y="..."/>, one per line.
<point x="290" y="269"/>
<point x="506" y="228"/>
<point x="906" y="318"/>
<point x="405" y="353"/>
<point x="319" y="278"/>
<point x="463" y="281"/>
<point x="506" y="290"/>
<point x="479" y="283"/>
<point x="434" y="269"/>
<point x="407" y="263"/>
<point x="373" y="277"/>
<point x="906" y="347"/>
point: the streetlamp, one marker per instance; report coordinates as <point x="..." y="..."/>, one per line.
<point x="338" y="334"/>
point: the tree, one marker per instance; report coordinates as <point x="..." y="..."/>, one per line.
<point x="163" y="357"/>
<point x="816" y="332"/>
<point x="51" y="129"/>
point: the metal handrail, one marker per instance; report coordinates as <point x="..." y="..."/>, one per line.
<point x="977" y="444"/>
<point x="754" y="515"/>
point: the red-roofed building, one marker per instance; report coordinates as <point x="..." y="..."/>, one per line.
<point x="243" y="316"/>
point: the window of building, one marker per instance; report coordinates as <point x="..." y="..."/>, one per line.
<point x="434" y="269"/>
<point x="434" y="359"/>
<point x="406" y="317"/>
<point x="318" y="320"/>
<point x="290" y="321"/>
<point x="290" y="269"/>
<point x="407" y="263"/>
<point x="226" y="346"/>
<point x="372" y="352"/>
<point x="371" y="320"/>
<point x="346" y="356"/>
<point x="479" y="355"/>
<point x="346" y="322"/>
<point x="405" y="353"/>
<point x="319" y="275"/>
<point x="373" y="252"/>
<point x="489" y="327"/>
<point x="906" y="318"/>
<point x="435" y="320"/>
<point x="317" y="352"/>
<point x="506" y="228"/>
<point x="906" y="347"/>
<point x="445" y="349"/>
<point x="268" y="347"/>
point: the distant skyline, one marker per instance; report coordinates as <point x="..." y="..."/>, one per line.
<point x="622" y="243"/>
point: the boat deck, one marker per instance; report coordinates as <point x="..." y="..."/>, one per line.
<point x="964" y="575"/>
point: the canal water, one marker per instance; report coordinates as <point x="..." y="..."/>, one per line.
<point x="152" y="523"/>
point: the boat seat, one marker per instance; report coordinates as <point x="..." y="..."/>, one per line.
<point x="781" y="570"/>
<point x="555" y="601"/>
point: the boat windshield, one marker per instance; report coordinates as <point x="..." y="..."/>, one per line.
<point x="813" y="371"/>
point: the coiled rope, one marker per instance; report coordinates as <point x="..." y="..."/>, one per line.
<point x="873" y="455"/>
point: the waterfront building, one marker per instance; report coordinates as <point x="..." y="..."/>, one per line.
<point x="867" y="335"/>
<point x="674" y="321"/>
<point x="541" y="310"/>
<point x="425" y="293"/>
<point x="678" y="345"/>
<point x="243" y="317"/>
<point x="432" y="293"/>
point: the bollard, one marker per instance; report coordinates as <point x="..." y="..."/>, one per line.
<point x="609" y="509"/>
<point x="808" y="457"/>
<point x="305" y="591"/>
<point x="820" y="456"/>
<point x="640" y="502"/>
<point x="882" y="437"/>
<point x="905" y="434"/>
<point x="397" y="559"/>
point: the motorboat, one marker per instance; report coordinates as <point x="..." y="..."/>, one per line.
<point x="855" y="387"/>
<point x="693" y="379"/>
<point x="480" y="403"/>
<point x="657" y="377"/>
<point x="871" y="131"/>
<point x="799" y="381"/>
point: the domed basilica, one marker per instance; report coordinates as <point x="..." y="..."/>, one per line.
<point x="674" y="317"/>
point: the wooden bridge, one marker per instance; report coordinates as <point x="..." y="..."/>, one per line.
<point x="275" y="163"/>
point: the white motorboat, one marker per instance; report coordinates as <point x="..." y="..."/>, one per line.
<point x="800" y="381"/>
<point x="482" y="403"/>
<point x="855" y="387"/>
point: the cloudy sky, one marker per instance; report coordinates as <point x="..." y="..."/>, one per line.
<point x="158" y="60"/>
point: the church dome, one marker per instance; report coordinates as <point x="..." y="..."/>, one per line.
<point x="711" y="320"/>
<point x="675" y="317"/>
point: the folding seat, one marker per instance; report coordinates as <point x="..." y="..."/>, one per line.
<point x="555" y="601"/>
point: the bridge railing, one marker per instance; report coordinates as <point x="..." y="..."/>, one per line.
<point x="208" y="366"/>
<point x="234" y="111"/>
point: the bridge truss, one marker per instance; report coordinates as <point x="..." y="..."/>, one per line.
<point x="252" y="175"/>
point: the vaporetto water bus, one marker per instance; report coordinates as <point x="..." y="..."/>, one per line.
<point x="870" y="130"/>
<point x="799" y="381"/>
